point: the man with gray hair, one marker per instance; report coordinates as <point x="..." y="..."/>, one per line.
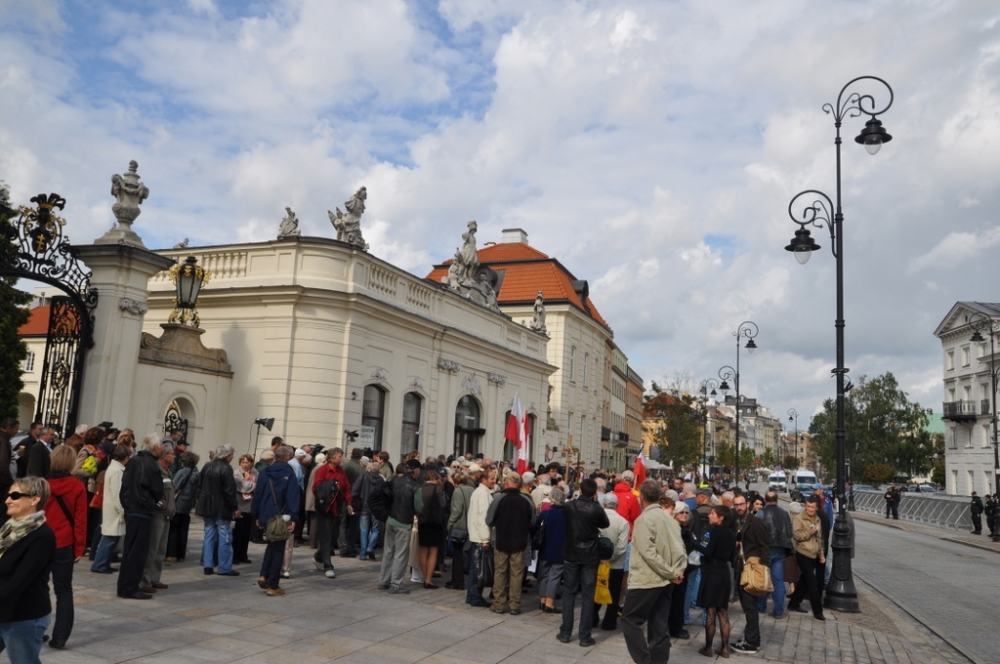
<point x="217" y="507"/>
<point x="141" y="491"/>
<point x="160" y="526"/>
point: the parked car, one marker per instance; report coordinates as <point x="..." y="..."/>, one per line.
<point x="864" y="487"/>
<point x="926" y="488"/>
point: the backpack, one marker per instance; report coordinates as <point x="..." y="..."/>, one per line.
<point x="327" y="493"/>
<point x="379" y="500"/>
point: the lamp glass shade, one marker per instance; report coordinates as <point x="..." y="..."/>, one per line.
<point x="873" y="146"/>
<point x="751" y="346"/>
<point x="724" y="388"/>
<point x="802" y="256"/>
<point x="188" y="284"/>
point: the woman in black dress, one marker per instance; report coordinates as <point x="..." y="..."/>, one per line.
<point x="430" y="524"/>
<point x="717" y="546"/>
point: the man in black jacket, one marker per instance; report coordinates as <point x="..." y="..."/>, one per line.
<point x="976" y="509"/>
<point x="753" y="539"/>
<point x="141" y="492"/>
<point x="779" y="544"/>
<point x="584" y="519"/>
<point x="512" y="524"/>
<point x="217" y="507"/>
<point x="398" y="528"/>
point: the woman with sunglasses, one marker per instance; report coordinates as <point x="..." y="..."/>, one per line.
<point x="27" y="548"/>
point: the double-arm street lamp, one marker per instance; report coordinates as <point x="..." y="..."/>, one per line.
<point x="841" y="595"/>
<point x="982" y="323"/>
<point x="793" y="415"/>
<point x="708" y="389"/>
<point x="748" y="330"/>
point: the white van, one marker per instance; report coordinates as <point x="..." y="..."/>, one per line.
<point x="799" y="479"/>
<point x="776" y="482"/>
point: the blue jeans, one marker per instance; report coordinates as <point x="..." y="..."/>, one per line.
<point x="23" y="640"/>
<point x="579" y="578"/>
<point x="691" y="596"/>
<point x="778" y="578"/>
<point x="369" y="534"/>
<point x="221" y="530"/>
<point x="105" y="550"/>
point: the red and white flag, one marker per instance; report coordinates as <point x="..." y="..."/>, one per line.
<point x="517" y="433"/>
<point x="639" y="470"/>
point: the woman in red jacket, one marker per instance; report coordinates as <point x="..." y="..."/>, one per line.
<point x="66" y="514"/>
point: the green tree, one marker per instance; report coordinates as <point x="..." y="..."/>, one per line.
<point x="680" y="436"/>
<point x="791" y="463"/>
<point x="879" y="473"/>
<point x="725" y="455"/>
<point x="767" y="458"/>
<point x="13" y="313"/>
<point x="882" y="426"/>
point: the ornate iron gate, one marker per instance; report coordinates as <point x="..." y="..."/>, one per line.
<point x="173" y="421"/>
<point x="44" y="253"/>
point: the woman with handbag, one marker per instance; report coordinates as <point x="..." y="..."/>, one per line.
<point x="547" y="537"/>
<point x="275" y="503"/>
<point x="246" y="481"/>
<point x="458" y="528"/>
<point x="807" y="533"/>
<point x="66" y="514"/>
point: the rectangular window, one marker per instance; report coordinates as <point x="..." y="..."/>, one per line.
<point x="28" y="364"/>
<point x="954" y="482"/>
<point x="972" y="483"/>
<point x="586" y="364"/>
<point x="965" y="357"/>
<point x="988" y="481"/>
<point x="949" y="363"/>
<point x="572" y="364"/>
<point x="987" y="442"/>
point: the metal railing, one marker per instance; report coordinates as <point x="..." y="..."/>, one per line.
<point x="965" y="407"/>
<point x="939" y="510"/>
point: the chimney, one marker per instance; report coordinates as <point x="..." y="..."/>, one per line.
<point x="513" y="236"/>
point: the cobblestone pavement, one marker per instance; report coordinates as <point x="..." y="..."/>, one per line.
<point x="225" y="619"/>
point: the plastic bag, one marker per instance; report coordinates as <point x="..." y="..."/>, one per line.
<point x="602" y="593"/>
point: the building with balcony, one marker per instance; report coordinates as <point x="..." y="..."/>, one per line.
<point x="967" y="407"/>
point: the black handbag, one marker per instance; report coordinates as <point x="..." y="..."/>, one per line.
<point x="538" y="539"/>
<point x="605" y="548"/>
<point x="484" y="567"/>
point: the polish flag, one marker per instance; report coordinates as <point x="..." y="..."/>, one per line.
<point x="640" y="471"/>
<point x="517" y="433"/>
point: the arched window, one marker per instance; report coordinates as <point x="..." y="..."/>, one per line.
<point x="372" y="412"/>
<point x="412" y="404"/>
<point x="467" y="430"/>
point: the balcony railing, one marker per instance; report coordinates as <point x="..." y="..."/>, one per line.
<point x="960" y="411"/>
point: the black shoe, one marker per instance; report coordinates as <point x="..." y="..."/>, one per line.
<point x="480" y="604"/>
<point x="102" y="571"/>
<point x="371" y="555"/>
<point x="501" y="611"/>
<point x="515" y="612"/>
<point x="546" y="609"/>
<point x="58" y="645"/>
<point x="820" y="617"/>
<point x="587" y="643"/>
<point x="563" y="639"/>
<point x="137" y="595"/>
<point x="243" y="562"/>
<point x="797" y="609"/>
<point x="231" y="572"/>
<point x="683" y="634"/>
<point x="743" y="647"/>
<point x="209" y="571"/>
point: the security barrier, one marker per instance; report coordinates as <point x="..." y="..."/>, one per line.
<point x="933" y="509"/>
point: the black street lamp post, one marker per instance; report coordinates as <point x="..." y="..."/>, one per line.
<point x="794" y="415"/>
<point x="980" y="323"/>
<point x="841" y="594"/>
<point x="747" y="329"/>
<point x="708" y="385"/>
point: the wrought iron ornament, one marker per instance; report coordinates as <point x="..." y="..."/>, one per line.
<point x="173" y="421"/>
<point x="63" y="368"/>
<point x="44" y="253"/>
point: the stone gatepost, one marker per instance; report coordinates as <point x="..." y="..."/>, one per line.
<point x="121" y="268"/>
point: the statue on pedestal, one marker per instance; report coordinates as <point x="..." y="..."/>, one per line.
<point x="129" y="193"/>
<point x="538" y="319"/>
<point x="289" y="225"/>
<point x="349" y="225"/>
<point x="470" y="279"/>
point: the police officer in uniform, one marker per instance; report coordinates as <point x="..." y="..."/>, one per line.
<point x="990" y="507"/>
<point x="977" y="514"/>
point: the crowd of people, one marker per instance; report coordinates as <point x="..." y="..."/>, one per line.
<point x="643" y="553"/>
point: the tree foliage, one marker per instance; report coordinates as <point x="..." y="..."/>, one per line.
<point x="12" y="315"/>
<point x="680" y="436"/>
<point x="768" y="458"/>
<point x="882" y="425"/>
<point x="791" y="463"/>
<point x="879" y="473"/>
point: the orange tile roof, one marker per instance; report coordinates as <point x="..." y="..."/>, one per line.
<point x="527" y="271"/>
<point x="37" y="325"/>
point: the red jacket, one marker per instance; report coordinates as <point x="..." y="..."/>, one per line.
<point x="73" y="493"/>
<point x="327" y="472"/>
<point x="628" y="504"/>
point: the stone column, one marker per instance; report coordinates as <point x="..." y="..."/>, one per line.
<point x="121" y="274"/>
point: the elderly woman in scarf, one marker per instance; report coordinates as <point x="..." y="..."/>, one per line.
<point x="27" y="548"/>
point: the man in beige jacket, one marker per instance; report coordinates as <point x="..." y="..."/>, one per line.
<point x="658" y="562"/>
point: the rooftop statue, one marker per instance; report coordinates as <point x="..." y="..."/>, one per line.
<point x="349" y="225"/>
<point x="182" y="244"/>
<point x="467" y="277"/>
<point x="289" y="225"/>
<point x="538" y="319"/>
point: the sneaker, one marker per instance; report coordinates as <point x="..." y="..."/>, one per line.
<point x="275" y="592"/>
<point x="319" y="565"/>
<point x="330" y="574"/>
<point x="286" y="575"/>
<point x="743" y="647"/>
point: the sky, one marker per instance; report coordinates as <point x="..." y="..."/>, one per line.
<point x="651" y="146"/>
